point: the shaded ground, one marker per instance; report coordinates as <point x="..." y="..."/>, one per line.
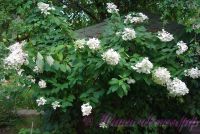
<point x="27" y="119"/>
<point x="5" y="130"/>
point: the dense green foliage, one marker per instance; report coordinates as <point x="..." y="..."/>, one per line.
<point x="77" y="76"/>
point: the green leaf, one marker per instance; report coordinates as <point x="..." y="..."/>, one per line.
<point x="60" y="56"/>
<point x="113" y="81"/>
<point x="63" y="68"/>
<point x="40" y="62"/>
<point x="83" y="95"/>
<point x="120" y="93"/>
<point x="147" y="81"/>
<point x="56" y="65"/>
<point x="66" y="104"/>
<point x="95" y="100"/>
<point x="71" y="98"/>
<point x="114" y="88"/>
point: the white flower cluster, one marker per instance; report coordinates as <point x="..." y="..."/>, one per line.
<point x="86" y="109"/>
<point x="45" y="8"/>
<point x="42" y="84"/>
<point x="36" y="69"/>
<point x="177" y="88"/>
<point x="103" y="125"/>
<point x="17" y="57"/>
<point x="143" y="66"/>
<point x="79" y="44"/>
<point x="93" y="43"/>
<point x="135" y="18"/>
<point x="112" y="8"/>
<point x="19" y="72"/>
<point x="182" y="47"/>
<point x="128" y="34"/>
<point x="55" y="104"/>
<point x="111" y="57"/>
<point x="64" y="6"/>
<point x="196" y="26"/>
<point x="193" y="73"/>
<point x="161" y="76"/>
<point x="131" y="81"/>
<point x="41" y="101"/>
<point x="31" y="78"/>
<point x="165" y="36"/>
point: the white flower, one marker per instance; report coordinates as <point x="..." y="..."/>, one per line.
<point x="41" y="101"/>
<point x="86" y="109"/>
<point x="161" y="76"/>
<point x="118" y="33"/>
<point x="26" y="62"/>
<point x="131" y="81"/>
<point x="30" y="77"/>
<point x="103" y="125"/>
<point x="36" y="69"/>
<point x="111" y="57"/>
<point x="42" y="84"/>
<point x="64" y="6"/>
<point x="62" y="12"/>
<point x="182" y="47"/>
<point x="177" y="88"/>
<point x="17" y="46"/>
<point x="7" y="97"/>
<point x="193" y="73"/>
<point x="33" y="80"/>
<point x="196" y="26"/>
<point x="55" y="104"/>
<point x="20" y="72"/>
<point x="165" y="36"/>
<point x="33" y="59"/>
<point x="112" y="8"/>
<point x="45" y="8"/>
<point x="17" y="57"/>
<point x="128" y="34"/>
<point x="128" y="18"/>
<point x="143" y="66"/>
<point x="80" y="43"/>
<point x="135" y="18"/>
<point x="50" y="60"/>
<point x="93" y="43"/>
<point x="143" y="16"/>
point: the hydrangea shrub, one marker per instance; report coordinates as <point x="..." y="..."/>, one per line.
<point x="129" y="71"/>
